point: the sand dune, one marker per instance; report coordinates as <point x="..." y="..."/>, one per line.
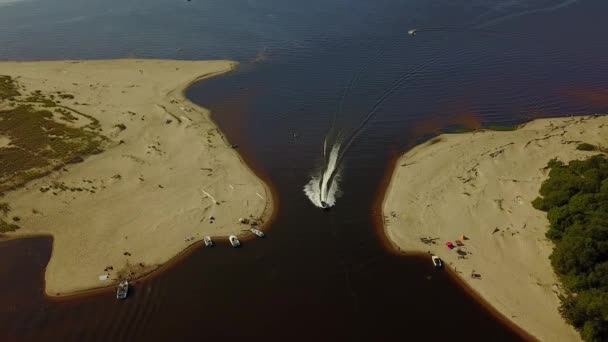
<point x="480" y="184"/>
<point x="166" y="179"/>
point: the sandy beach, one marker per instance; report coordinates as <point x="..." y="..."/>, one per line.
<point x="166" y="177"/>
<point x="480" y="185"/>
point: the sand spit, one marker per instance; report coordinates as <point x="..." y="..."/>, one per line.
<point x="481" y="185"/>
<point x="166" y="179"/>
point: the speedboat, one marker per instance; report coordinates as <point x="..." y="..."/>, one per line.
<point x="234" y="241"/>
<point x="436" y="261"/>
<point x="325" y="206"/>
<point x="412" y="32"/>
<point x="257" y="232"/>
<point x="208" y="242"/>
<point x="122" y="290"/>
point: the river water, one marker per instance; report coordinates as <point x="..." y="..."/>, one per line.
<point x="308" y="66"/>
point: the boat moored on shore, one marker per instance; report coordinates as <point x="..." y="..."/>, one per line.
<point x="234" y="241"/>
<point x="208" y="241"/>
<point x="123" y="290"/>
<point x="436" y="261"/>
<point x="257" y="232"/>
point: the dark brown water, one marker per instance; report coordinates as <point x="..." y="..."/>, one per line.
<point x="318" y="275"/>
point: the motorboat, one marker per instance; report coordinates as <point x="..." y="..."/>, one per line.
<point x="436" y="261"/>
<point x="208" y="241"/>
<point x="257" y="232"/>
<point x="234" y="241"/>
<point x="122" y="290"/>
<point x="412" y="32"/>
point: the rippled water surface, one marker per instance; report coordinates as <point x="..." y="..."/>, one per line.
<point x="308" y="66"/>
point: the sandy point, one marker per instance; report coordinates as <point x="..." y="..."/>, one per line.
<point x="167" y="176"/>
<point x="477" y="188"/>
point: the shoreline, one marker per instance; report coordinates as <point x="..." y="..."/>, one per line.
<point x="401" y="232"/>
<point x="192" y="121"/>
<point x="391" y="247"/>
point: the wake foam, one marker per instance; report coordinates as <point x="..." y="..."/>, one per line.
<point x="323" y="185"/>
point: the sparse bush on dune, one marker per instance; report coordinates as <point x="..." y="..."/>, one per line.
<point x="39" y="143"/>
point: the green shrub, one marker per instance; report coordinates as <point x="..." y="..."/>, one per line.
<point x="576" y="200"/>
<point x="586" y="147"/>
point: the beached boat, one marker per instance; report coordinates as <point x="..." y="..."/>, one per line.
<point x="234" y="241"/>
<point x="208" y="241"/>
<point x="122" y="290"/>
<point x="257" y="232"/>
<point x="436" y="261"/>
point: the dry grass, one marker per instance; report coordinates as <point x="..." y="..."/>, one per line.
<point x="8" y="88"/>
<point x="7" y="227"/>
<point x="39" y="144"/>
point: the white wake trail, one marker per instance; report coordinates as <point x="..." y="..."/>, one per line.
<point x="322" y="189"/>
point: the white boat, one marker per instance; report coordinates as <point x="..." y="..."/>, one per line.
<point x="122" y="290"/>
<point x="412" y="32"/>
<point x="436" y="261"/>
<point x="208" y="241"/>
<point x="257" y="232"/>
<point x="234" y="241"/>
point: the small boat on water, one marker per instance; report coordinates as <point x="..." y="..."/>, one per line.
<point x="257" y="232"/>
<point x="234" y="241"/>
<point x="436" y="261"/>
<point x="122" y="290"/>
<point x="208" y="241"/>
<point x="412" y="32"/>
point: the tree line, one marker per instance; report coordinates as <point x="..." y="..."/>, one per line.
<point x="575" y="197"/>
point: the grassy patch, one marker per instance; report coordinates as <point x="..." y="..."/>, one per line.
<point x="6" y="227"/>
<point x="586" y="147"/>
<point x="502" y="127"/>
<point x="434" y="141"/>
<point x="5" y="208"/>
<point x="66" y="96"/>
<point x="8" y="88"/>
<point x="66" y="115"/>
<point x="121" y="126"/>
<point x="39" y="143"/>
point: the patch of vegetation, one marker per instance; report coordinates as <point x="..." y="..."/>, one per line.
<point x="7" y="227"/>
<point x="586" y="147"/>
<point x="39" y="143"/>
<point x="501" y="127"/>
<point x="61" y="186"/>
<point x="66" y="96"/>
<point x="8" y="88"/>
<point x="94" y="125"/>
<point x="434" y="141"/>
<point x="121" y="126"/>
<point x="576" y="199"/>
<point x="66" y="115"/>
<point x="37" y="97"/>
<point x="5" y="208"/>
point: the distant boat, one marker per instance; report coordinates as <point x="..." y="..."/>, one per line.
<point x="412" y="32"/>
<point x="122" y="290"/>
<point x="436" y="261"/>
<point x="257" y="232"/>
<point x="234" y="241"/>
<point x="208" y="242"/>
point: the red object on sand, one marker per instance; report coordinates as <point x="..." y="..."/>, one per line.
<point x="449" y="244"/>
<point x="459" y="243"/>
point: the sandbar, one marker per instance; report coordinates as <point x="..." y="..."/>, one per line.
<point x="166" y="177"/>
<point x="481" y="184"/>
